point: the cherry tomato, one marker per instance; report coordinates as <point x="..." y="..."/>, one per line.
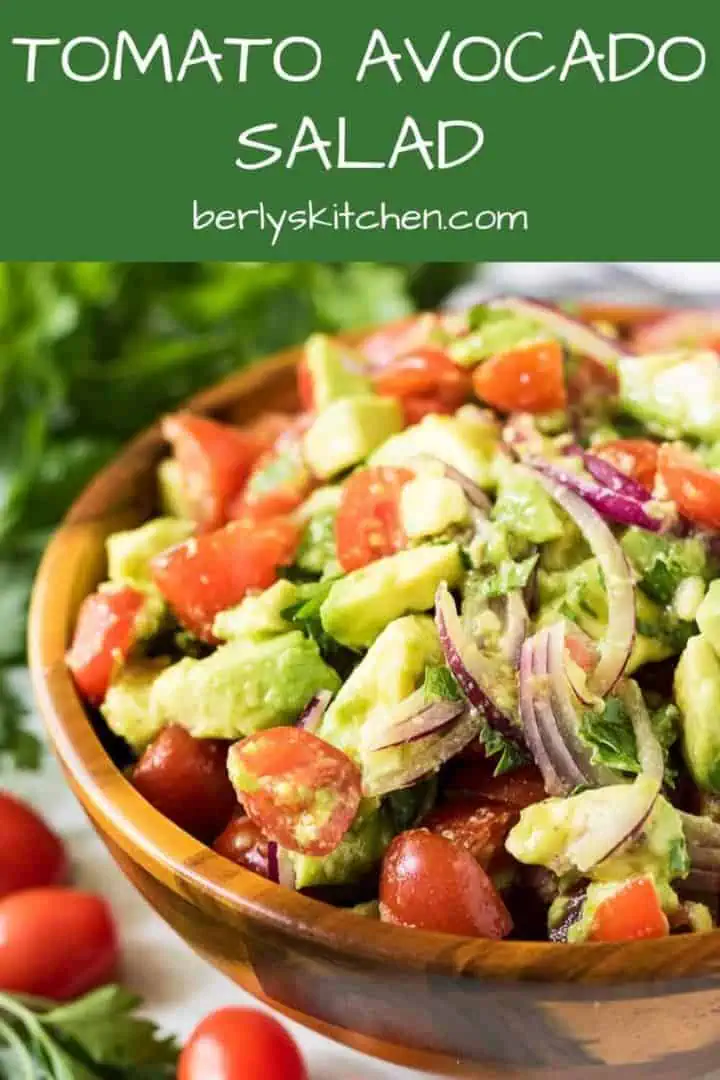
<point x="243" y="843"/>
<point x="425" y="380"/>
<point x="278" y="483"/>
<point x="633" y="912"/>
<point x="475" y="827"/>
<point x="367" y="525"/>
<point x="298" y="789"/>
<point x="637" y="458"/>
<point x="682" y="329"/>
<point x="514" y="790"/>
<point x="105" y="633"/>
<point x="529" y="379"/>
<point x="399" y="338"/>
<point x="432" y="884"/>
<point x="215" y="460"/>
<point x="186" y="779"/>
<point x="416" y="409"/>
<point x="241" y="1044"/>
<point x="210" y="573"/>
<point x="31" y="855"/>
<point x="305" y="386"/>
<point x="694" y="489"/>
<point x="56" y="943"/>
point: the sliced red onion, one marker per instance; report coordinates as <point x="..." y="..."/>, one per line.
<point x="315" y="710"/>
<point x="617" y="645"/>
<point x="578" y="335"/>
<point x="565" y="767"/>
<point x="517" y="621"/>
<point x="615" y="818"/>
<point x="272" y="862"/>
<point x="398" y="767"/>
<point x="650" y="755"/>
<point x="610" y="477"/>
<point x="431" y="718"/>
<point x="473" y="673"/>
<point x="554" y="784"/>
<point x="280" y="867"/>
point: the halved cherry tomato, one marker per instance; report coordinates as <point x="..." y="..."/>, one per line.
<point x="243" y="843"/>
<point x="31" y="855"/>
<point x="529" y="379"/>
<point x="215" y="460"/>
<point x="430" y="883"/>
<point x="400" y="338"/>
<point x="278" y="483"/>
<point x="424" y="376"/>
<point x="56" y="943"/>
<point x="368" y="526"/>
<point x="637" y="458"/>
<point x="633" y="912"/>
<point x="241" y="1044"/>
<point x="210" y="573"/>
<point x="186" y="779"/>
<point x="514" y="790"/>
<point x="105" y="632"/>
<point x="298" y="789"/>
<point x="682" y="329"/>
<point x="477" y="828"/>
<point x="693" y="488"/>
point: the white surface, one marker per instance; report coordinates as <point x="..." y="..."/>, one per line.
<point x="179" y="988"/>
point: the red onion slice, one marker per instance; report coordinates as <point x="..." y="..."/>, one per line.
<point x="554" y="784"/>
<point x="610" y="477"/>
<point x="280" y="868"/>
<point x="650" y="755"/>
<point x="568" y="771"/>
<point x="315" y="710"/>
<point x="517" y="621"/>
<point x="578" y="335"/>
<point x="395" y="768"/>
<point x="432" y="718"/>
<point x="617" y="645"/>
<point x="612" y="819"/>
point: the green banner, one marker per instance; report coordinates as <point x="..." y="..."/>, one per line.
<point x="519" y="130"/>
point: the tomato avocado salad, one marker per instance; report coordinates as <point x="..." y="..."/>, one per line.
<point x="444" y="647"/>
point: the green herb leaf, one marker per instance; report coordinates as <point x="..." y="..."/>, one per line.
<point x="17" y="745"/>
<point x="510" y="754"/>
<point x="317" y="551"/>
<point x="508" y="577"/>
<point x="440" y="684"/>
<point x="609" y="732"/>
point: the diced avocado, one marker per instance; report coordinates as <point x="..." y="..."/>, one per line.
<point x="317" y="553"/>
<point x="697" y="693"/>
<point x="127" y="708"/>
<point x="173" y="500"/>
<point x="257" y="616"/>
<point x="347" y="431"/>
<point x="361" y="604"/>
<point x="362" y="847"/>
<point x="393" y="668"/>
<point x="323" y="500"/>
<point x="429" y="505"/>
<point x="523" y="505"/>
<point x="461" y="441"/>
<point x="675" y="394"/>
<point x="285" y="469"/>
<point x="335" y="371"/>
<point x="500" y="331"/>
<point x="708" y="617"/>
<point x="663" y="562"/>
<point x="129" y="553"/>
<point x="243" y="686"/>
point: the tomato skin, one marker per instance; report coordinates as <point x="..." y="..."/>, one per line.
<point x="305" y="386"/>
<point x="432" y="884"/>
<point x="514" y="790"/>
<point x="399" y="338"/>
<point x="298" y="789"/>
<point x="56" y="943"/>
<point x="206" y="574"/>
<point x="239" y="1044"/>
<point x="529" y="379"/>
<point x="634" y="912"/>
<point x="105" y="632"/>
<point x="31" y="855"/>
<point x="478" y="829"/>
<point x="425" y="375"/>
<point x="242" y="842"/>
<point x="368" y="526"/>
<point x="186" y="780"/>
<point x="637" y="458"/>
<point x="693" y="488"/>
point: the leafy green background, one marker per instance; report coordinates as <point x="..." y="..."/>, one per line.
<point x="92" y="352"/>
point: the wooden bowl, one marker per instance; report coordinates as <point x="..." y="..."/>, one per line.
<point x="459" y="1006"/>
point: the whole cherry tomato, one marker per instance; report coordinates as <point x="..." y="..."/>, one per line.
<point x="241" y="1044"/>
<point x="31" y="855"/>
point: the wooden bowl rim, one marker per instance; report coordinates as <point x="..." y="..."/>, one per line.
<point x="187" y="862"/>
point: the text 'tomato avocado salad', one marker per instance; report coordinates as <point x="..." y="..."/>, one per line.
<point x="443" y="647"/>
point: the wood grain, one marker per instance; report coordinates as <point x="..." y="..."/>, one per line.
<point x="456" y="1005"/>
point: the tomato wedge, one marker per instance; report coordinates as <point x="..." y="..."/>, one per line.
<point x="634" y="912"/>
<point x="298" y="789"/>
<point x="425" y="380"/>
<point x="476" y="828"/>
<point x="210" y="573"/>
<point x="432" y="884"/>
<point x="637" y="458"/>
<point x="215" y="460"/>
<point x="368" y="526"/>
<point x="693" y="488"/>
<point x="105" y="633"/>
<point x="529" y="379"/>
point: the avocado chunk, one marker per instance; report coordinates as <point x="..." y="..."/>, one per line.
<point x="524" y="507"/>
<point x="362" y="847"/>
<point x="127" y="708"/>
<point x="347" y="431"/>
<point x="335" y="371"/>
<point x="708" y="617"/>
<point x="361" y="604"/>
<point x="675" y="394"/>
<point x="244" y="686"/>
<point x="697" y="694"/>
<point x="392" y="669"/>
<point x="664" y="562"/>
<point x="498" y="332"/>
<point x="430" y="505"/>
<point x="171" y="490"/>
<point x="129" y="553"/>
<point x="464" y="442"/>
<point x="258" y="616"/>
